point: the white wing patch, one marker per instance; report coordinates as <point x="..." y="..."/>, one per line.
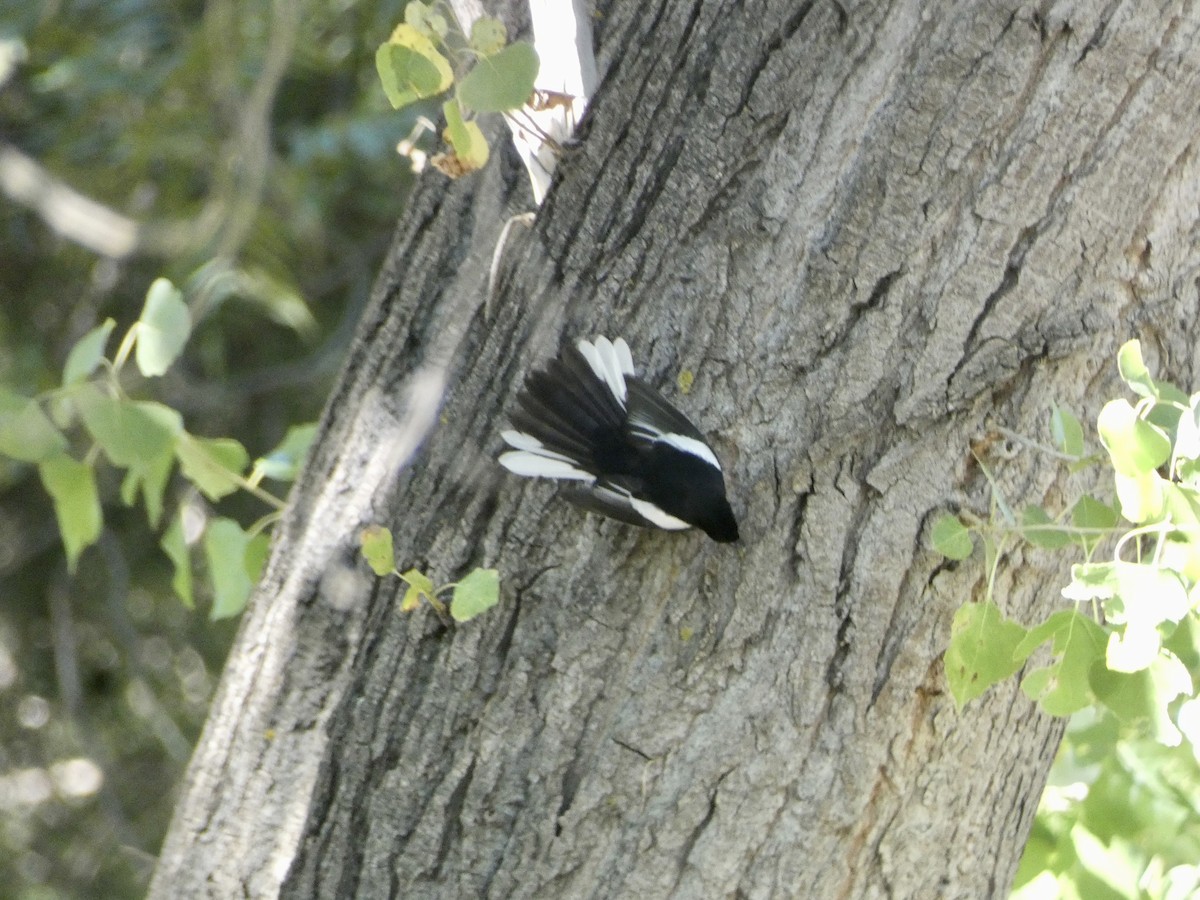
<point x="692" y="446"/>
<point x="616" y="496"/>
<point x="653" y="514"/>
<point x="611" y="362"/>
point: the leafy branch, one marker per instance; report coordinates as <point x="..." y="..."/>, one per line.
<point x="1131" y="641"/>
<point x="146" y="440"/>
<point x="426" y="56"/>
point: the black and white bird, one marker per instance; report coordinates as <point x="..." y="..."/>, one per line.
<point x="629" y="454"/>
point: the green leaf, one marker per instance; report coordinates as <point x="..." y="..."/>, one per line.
<point x="214" y="465"/>
<point x="1066" y="431"/>
<point x="72" y="486"/>
<point x="411" y="67"/>
<point x="257" y="551"/>
<point x="1152" y="595"/>
<point x="425" y="20"/>
<point x="225" y="551"/>
<point x="951" y="538"/>
<point x="377" y="549"/>
<point x="163" y="328"/>
<point x="1039" y="529"/>
<point x="415" y="14"/>
<point x="131" y="434"/>
<point x="1184" y="642"/>
<point x="1187" y="432"/>
<point x="1114" y="868"/>
<point x="26" y="433"/>
<point x="85" y="356"/>
<point x="1134" y="445"/>
<point x="981" y="650"/>
<point x="1090" y="513"/>
<point x="283" y="463"/>
<point x="1146" y="597"/>
<point x="488" y="35"/>
<point x="470" y="146"/>
<point x="1140" y="496"/>
<point x="1142" y="698"/>
<point x="175" y="546"/>
<point x="1091" y="582"/>
<point x="418" y="584"/>
<point x="1062" y="687"/>
<point x="1133" y="370"/>
<point x="502" y="81"/>
<point x="152" y="479"/>
<point x="478" y="592"/>
<point x="418" y="579"/>
<point x="1132" y="648"/>
<point x="139" y="436"/>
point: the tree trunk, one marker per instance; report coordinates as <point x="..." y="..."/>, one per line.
<point x="874" y="233"/>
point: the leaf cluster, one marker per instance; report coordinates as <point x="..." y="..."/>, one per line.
<point x="1130" y="642"/>
<point x="476" y="593"/>
<point x="66" y="430"/>
<point x="426" y="56"/>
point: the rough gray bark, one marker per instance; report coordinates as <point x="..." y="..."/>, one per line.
<point x="873" y="232"/>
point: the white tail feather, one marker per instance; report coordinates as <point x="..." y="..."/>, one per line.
<point x="624" y="357"/>
<point x="607" y="361"/>
<point x="534" y="465"/>
<point x="519" y="440"/>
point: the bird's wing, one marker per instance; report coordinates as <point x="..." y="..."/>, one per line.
<point x="618" y="502"/>
<point x="651" y="416"/>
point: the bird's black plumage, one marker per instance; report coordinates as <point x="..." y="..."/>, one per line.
<point x="627" y="452"/>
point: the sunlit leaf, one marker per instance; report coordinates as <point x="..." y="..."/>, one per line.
<point x="163" y="328"/>
<point x="1142" y="698"/>
<point x="1187" y="432"/>
<point x="1091" y="582"/>
<point x="1112" y="866"/>
<point x="411" y="67"/>
<point x="1134" y="445"/>
<point x="1140" y="496"/>
<point x="1134" y="371"/>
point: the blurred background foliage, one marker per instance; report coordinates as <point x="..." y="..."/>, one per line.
<point x="245" y="151"/>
